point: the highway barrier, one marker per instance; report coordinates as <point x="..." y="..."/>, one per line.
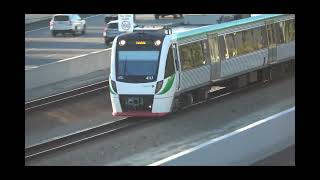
<point x="244" y="146"/>
<point x="31" y="18"/>
<point x="67" y="69"/>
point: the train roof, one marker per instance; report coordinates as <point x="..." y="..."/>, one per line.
<point x="217" y="27"/>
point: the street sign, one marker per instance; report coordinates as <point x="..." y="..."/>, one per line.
<point x="125" y="22"/>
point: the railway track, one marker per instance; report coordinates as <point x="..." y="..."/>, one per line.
<point x="82" y="136"/>
<point x="85" y="135"/>
<point x="31" y="105"/>
<point x="63" y="142"/>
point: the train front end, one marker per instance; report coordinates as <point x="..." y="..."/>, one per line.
<point x="136" y="81"/>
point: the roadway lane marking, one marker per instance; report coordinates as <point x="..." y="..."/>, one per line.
<point x="81" y="55"/>
<point x="36" y="29"/>
<point x="26" y="50"/>
<point x="92" y="16"/>
<point x="74" y="57"/>
<point x="49" y="26"/>
<point x="51" y="55"/>
<point x="30" y="67"/>
<point x="94" y="52"/>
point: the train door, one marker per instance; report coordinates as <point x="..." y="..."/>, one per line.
<point x="176" y="63"/>
<point x="214" y="57"/>
<point x="272" y="45"/>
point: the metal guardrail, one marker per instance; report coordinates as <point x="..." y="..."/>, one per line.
<point x="62" y="142"/>
<point x="37" y="103"/>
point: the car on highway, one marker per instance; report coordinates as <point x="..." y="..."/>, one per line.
<point x="67" y="23"/>
<point x="110" y="17"/>
<point x="163" y="15"/>
<point x="111" y="31"/>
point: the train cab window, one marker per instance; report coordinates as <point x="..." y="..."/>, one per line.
<point x="169" y="64"/>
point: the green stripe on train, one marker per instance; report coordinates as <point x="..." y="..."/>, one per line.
<point x="168" y="84"/>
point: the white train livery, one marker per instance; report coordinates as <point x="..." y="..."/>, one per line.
<point x="153" y="74"/>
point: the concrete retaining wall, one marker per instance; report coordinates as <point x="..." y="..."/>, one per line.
<point x="202" y="19"/>
<point x="244" y="146"/>
<point x="67" y="69"/>
<point x="30" y="18"/>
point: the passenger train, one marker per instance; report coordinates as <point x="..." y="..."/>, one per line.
<point x="153" y="74"/>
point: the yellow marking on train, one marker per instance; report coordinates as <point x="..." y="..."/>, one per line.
<point x="140" y="42"/>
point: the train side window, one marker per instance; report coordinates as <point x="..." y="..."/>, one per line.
<point x="244" y="42"/>
<point x="264" y="37"/>
<point x="197" y="54"/>
<point x="278" y="33"/>
<point x="230" y="45"/>
<point x="258" y="38"/>
<point x="169" y="70"/>
<point x="191" y="55"/>
<point x="247" y="43"/>
<point x="282" y="29"/>
<point x="213" y="48"/>
<point x="238" y="42"/>
<point x="289" y="30"/>
<point x="205" y="51"/>
<point x="222" y="48"/>
<point x="292" y="30"/>
<point x="185" y="56"/>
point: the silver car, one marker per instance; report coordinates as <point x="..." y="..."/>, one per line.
<point x="67" y="23"/>
<point x="111" y="31"/>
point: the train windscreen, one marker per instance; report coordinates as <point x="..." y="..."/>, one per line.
<point x="139" y="64"/>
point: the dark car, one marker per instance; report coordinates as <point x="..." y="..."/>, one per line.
<point x="110" y="17"/>
<point x="163" y="15"/>
<point x="228" y="18"/>
<point x="111" y="31"/>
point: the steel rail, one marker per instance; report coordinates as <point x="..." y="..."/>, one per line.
<point x="65" y="95"/>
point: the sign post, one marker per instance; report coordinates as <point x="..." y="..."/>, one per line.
<point x="125" y="22"/>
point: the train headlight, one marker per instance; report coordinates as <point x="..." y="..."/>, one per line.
<point x="157" y="42"/>
<point x="159" y="86"/>
<point x="113" y="85"/>
<point x="122" y="42"/>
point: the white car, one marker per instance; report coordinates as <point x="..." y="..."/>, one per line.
<point x="67" y="23"/>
